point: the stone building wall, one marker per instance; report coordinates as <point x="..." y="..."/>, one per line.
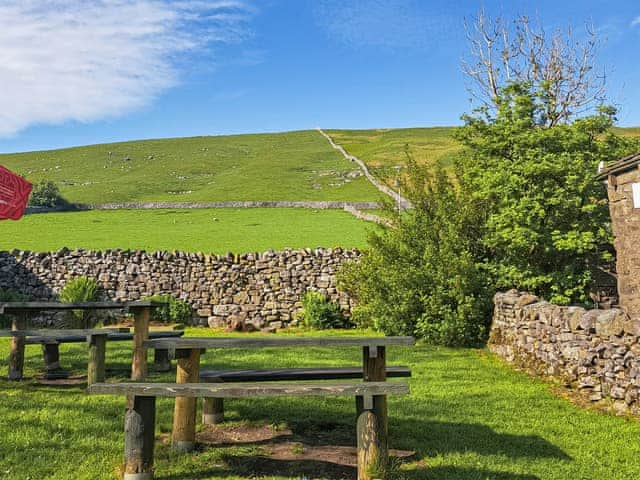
<point x="625" y="221"/>
<point x="251" y="290"/>
<point x="595" y="351"/>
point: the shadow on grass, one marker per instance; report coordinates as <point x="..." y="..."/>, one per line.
<point x="426" y="437"/>
<point x="259" y="466"/>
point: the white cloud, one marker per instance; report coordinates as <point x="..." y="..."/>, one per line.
<point x="635" y="22"/>
<point x="385" y="23"/>
<point x="83" y="60"/>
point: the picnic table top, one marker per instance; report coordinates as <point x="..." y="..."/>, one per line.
<point x="184" y="343"/>
<point x="15" y="307"/>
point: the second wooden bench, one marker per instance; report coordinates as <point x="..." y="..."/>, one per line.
<point x="213" y="408"/>
<point x="139" y="424"/>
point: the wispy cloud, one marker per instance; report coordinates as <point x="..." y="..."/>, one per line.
<point x="635" y="22"/>
<point x="84" y="60"/>
<point x="383" y="23"/>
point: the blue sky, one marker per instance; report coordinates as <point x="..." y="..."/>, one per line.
<point x="76" y="72"/>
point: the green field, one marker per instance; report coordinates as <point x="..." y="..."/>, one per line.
<point x="468" y="417"/>
<point x="284" y="166"/>
<point x="207" y="230"/>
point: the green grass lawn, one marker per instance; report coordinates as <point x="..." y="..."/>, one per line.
<point x="285" y="166"/>
<point x="206" y="230"/>
<point x="468" y="417"/>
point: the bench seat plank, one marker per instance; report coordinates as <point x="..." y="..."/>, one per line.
<point x="112" y="337"/>
<point x="295" y="374"/>
<point x="263" y="342"/>
<point x="239" y="390"/>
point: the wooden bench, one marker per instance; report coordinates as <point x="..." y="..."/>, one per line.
<point x="213" y="408"/>
<point x="51" y="349"/>
<point x="23" y="311"/>
<point x="139" y="425"/>
<point x="187" y="351"/>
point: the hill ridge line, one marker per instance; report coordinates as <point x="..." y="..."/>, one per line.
<point x="397" y="198"/>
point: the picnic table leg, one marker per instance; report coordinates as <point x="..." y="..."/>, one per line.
<point x="374" y="370"/>
<point x="140" y="335"/>
<point x="16" y="353"/>
<point x="161" y="360"/>
<point x="97" y="351"/>
<point x="212" y="410"/>
<point x="184" y="414"/>
<point x="51" y="356"/>
<point x="373" y="456"/>
<point x="139" y="431"/>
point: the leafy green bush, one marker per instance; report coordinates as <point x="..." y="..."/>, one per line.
<point x="45" y="194"/>
<point x="10" y="295"/>
<point x="423" y="275"/>
<point x="80" y="289"/>
<point x="175" y="310"/>
<point x="319" y="313"/>
<point x="546" y="217"/>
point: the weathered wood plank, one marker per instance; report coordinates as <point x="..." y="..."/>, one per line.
<point x="139" y="429"/>
<point x="34" y="307"/>
<point x="184" y="414"/>
<point x="117" y="336"/>
<point x="298" y="374"/>
<point x="239" y="390"/>
<point x="53" y="333"/>
<point x="265" y="342"/>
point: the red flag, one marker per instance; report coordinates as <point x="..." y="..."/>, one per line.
<point x="14" y="194"/>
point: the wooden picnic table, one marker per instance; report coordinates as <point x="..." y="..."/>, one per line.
<point x="187" y="352"/>
<point x="22" y="311"/>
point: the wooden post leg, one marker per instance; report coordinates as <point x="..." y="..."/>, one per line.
<point x="139" y="436"/>
<point x="140" y="335"/>
<point x="51" y="356"/>
<point x="184" y="414"/>
<point x="373" y="455"/>
<point x="161" y="360"/>
<point x="97" y="351"/>
<point x="375" y="370"/>
<point x="16" y="353"/>
<point x="212" y="411"/>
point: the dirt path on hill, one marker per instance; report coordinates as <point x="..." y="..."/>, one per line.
<point x="397" y="198"/>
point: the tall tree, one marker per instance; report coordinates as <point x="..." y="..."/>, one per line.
<point x="557" y="64"/>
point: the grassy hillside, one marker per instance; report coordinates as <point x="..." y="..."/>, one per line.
<point x="206" y="230"/>
<point x="284" y="166"/>
<point x="384" y="149"/>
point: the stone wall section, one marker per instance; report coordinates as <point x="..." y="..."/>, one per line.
<point x="250" y="291"/>
<point x="595" y="351"/>
<point x="625" y="221"/>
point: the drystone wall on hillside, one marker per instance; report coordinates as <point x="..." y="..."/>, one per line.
<point x="594" y="351"/>
<point x="250" y="291"/>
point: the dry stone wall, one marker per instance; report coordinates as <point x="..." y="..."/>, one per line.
<point x="625" y="221"/>
<point x="250" y="291"/>
<point x="595" y="351"/>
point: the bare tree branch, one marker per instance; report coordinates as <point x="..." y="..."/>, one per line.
<point x="559" y="68"/>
